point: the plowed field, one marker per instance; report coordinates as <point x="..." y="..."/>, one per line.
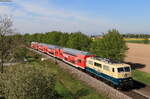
<point x="139" y="56"/>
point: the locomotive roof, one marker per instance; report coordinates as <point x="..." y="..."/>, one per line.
<point x="75" y="52"/>
<point x="109" y="61"/>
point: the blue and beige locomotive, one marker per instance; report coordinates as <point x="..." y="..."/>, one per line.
<point x="117" y="74"/>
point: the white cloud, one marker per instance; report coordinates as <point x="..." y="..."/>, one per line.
<point x="42" y="17"/>
<point x="50" y="18"/>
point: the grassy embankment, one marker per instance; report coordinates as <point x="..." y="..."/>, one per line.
<point x="66" y="83"/>
<point x="141" y="76"/>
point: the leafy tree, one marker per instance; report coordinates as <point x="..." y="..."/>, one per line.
<point x="14" y="48"/>
<point x="53" y="37"/>
<point x="25" y="82"/>
<point x="110" y="46"/>
<point x="36" y="37"/>
<point x="20" y="53"/>
<point x="64" y="39"/>
<point x="79" y="41"/>
<point x="27" y="39"/>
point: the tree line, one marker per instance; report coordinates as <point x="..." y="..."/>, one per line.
<point x="110" y="46"/>
<point x="75" y="40"/>
<point x="136" y="35"/>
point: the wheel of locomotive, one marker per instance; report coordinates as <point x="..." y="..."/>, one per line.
<point x="102" y="79"/>
<point x="131" y="84"/>
<point x="121" y="87"/>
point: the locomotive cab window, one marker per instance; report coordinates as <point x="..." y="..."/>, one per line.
<point x="123" y="69"/>
<point x="120" y="70"/>
<point x="127" y="69"/>
<point x="97" y="64"/>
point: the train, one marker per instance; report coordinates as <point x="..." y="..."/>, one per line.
<point x="117" y="74"/>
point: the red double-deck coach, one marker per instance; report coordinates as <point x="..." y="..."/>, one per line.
<point x="76" y="57"/>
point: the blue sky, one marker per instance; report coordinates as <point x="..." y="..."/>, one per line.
<point x="88" y="16"/>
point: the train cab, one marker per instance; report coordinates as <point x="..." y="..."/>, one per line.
<point x="123" y="71"/>
<point x="122" y="74"/>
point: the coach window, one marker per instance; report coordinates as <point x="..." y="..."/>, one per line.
<point x="97" y="64"/>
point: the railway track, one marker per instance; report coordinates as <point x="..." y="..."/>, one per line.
<point x="145" y="91"/>
<point x="140" y="91"/>
<point x="134" y="95"/>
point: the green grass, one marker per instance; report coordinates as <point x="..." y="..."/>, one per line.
<point x="66" y="83"/>
<point x="141" y="76"/>
<point x="136" y="41"/>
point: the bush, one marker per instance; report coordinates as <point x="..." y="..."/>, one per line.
<point x="20" y="53"/>
<point x="24" y="82"/>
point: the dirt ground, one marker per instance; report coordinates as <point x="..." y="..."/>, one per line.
<point x="139" y="56"/>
